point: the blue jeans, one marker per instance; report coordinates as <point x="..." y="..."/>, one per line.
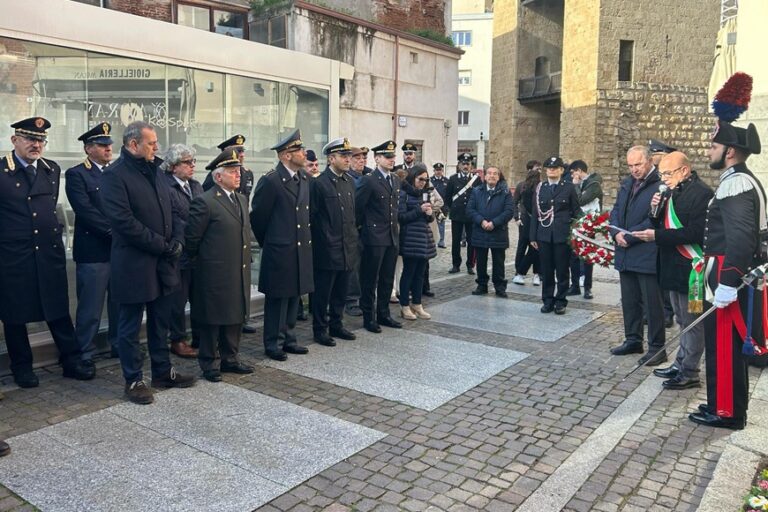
<point x="131" y="357"/>
<point x="441" y="230"/>
<point x="92" y="288"/>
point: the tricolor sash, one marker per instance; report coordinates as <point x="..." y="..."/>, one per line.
<point x="694" y="253"/>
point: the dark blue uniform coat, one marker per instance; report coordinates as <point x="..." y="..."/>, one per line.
<point x="280" y="221"/>
<point x="332" y="210"/>
<point x="93" y="234"/>
<point x="563" y="198"/>
<point x="376" y="210"/>
<point x="145" y="221"/>
<point x="33" y="275"/>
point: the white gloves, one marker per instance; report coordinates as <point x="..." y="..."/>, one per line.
<point x="724" y="295"/>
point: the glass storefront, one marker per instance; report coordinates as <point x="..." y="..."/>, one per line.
<point x="77" y="89"/>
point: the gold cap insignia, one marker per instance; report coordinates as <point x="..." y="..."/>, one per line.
<point x="391" y="146"/>
<point x="105" y="128"/>
<point x="346" y="143"/>
<point x="39" y="122"/>
<point x="239" y="141"/>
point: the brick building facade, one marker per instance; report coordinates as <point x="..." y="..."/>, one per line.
<point x="590" y="78"/>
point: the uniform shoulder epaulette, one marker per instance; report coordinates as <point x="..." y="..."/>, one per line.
<point x="87" y="164"/>
<point x="271" y="171"/>
<point x="46" y="164"/>
<point x="733" y="185"/>
<point x="10" y="162"/>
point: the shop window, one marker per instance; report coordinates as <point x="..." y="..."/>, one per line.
<point x="230" y="23"/>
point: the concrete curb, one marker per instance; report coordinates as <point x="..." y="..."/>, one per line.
<point x="742" y="455"/>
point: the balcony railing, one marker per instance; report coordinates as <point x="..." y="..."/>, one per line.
<point x="540" y="88"/>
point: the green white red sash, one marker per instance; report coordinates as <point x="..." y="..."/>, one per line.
<point x="694" y="253"/>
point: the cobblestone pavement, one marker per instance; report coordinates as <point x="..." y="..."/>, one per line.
<point x="489" y="449"/>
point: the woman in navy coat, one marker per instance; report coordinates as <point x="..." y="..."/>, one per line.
<point x="491" y="207"/>
<point x="417" y="245"/>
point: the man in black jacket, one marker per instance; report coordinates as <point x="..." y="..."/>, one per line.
<point x="456" y="198"/>
<point x="376" y="218"/>
<point x="440" y="184"/>
<point x="147" y="240"/>
<point x="334" y="240"/>
<point x="679" y="233"/>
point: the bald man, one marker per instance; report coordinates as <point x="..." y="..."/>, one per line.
<point x="679" y="234"/>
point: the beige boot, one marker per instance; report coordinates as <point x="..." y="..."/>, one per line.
<point x="419" y="310"/>
<point x="405" y="312"/>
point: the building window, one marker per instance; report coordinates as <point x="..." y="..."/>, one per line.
<point x="626" y="56"/>
<point x="230" y="23"/>
<point x="270" y="31"/>
<point x="462" y="38"/>
<point x="414" y="58"/>
<point x="465" y="77"/>
<point x="463" y="117"/>
<point x="541" y="66"/>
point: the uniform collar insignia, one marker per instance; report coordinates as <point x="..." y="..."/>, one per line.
<point x="87" y="164"/>
<point x="11" y="162"/>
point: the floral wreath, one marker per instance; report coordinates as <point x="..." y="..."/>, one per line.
<point x="591" y="239"/>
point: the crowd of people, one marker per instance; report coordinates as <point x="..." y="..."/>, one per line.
<point x="149" y="238"/>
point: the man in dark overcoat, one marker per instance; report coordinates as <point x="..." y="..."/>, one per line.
<point x="555" y="206"/>
<point x="219" y="243"/>
<point x="334" y="242"/>
<point x="376" y="218"/>
<point x="456" y="198"/>
<point x="280" y="222"/>
<point x="147" y="240"/>
<point x="636" y="260"/>
<point x="33" y="275"/>
<point x="92" y="243"/>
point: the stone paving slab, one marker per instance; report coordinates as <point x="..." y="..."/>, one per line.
<point x="420" y="370"/>
<point x="606" y="293"/>
<point x="213" y="447"/>
<point x="511" y="317"/>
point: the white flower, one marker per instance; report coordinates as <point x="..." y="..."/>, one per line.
<point x="758" y="501"/>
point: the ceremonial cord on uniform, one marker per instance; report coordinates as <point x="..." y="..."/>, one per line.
<point x="546" y="216"/>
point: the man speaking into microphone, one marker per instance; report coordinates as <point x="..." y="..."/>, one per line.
<point x="678" y="212"/>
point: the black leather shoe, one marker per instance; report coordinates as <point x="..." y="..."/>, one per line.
<point x="502" y="294"/>
<point x="670" y="372"/>
<point x="248" y="328"/>
<point x="681" y="382"/>
<point x="653" y="358"/>
<point x="79" y="371"/>
<point x="4" y="449"/>
<point x="295" y="349"/>
<point x="712" y="420"/>
<point x="342" y="334"/>
<point x="427" y="293"/>
<point x="212" y="375"/>
<point x="454" y="270"/>
<point x="480" y="290"/>
<point x="26" y="379"/>
<point x="559" y="310"/>
<point x="353" y="310"/>
<point x="627" y="348"/>
<point x="704" y="408"/>
<point x="324" y="339"/>
<point x="547" y="308"/>
<point x="669" y="321"/>
<point x="470" y="271"/>
<point x="588" y="294"/>
<point x="572" y="291"/>
<point x="388" y="321"/>
<point x="238" y="367"/>
<point x="277" y="355"/>
<point x="372" y="327"/>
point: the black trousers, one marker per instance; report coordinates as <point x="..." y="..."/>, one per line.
<point x="280" y="319"/>
<point x="377" y="277"/>
<point x="575" y="269"/>
<point x="20" y="353"/>
<point x="586" y="270"/>
<point x="555" y="259"/>
<point x="426" y="286"/>
<point x="218" y="343"/>
<point x="639" y="289"/>
<point x="497" y="262"/>
<point x="328" y="299"/>
<point x="457" y="229"/>
<point x="526" y="256"/>
<point x="178" y="323"/>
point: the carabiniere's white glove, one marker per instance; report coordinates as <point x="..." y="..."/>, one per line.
<point x="724" y="295"/>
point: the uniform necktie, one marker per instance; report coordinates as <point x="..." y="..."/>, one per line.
<point x="389" y="180"/>
<point x="296" y="177"/>
<point x="187" y="189"/>
<point x="31" y="172"/>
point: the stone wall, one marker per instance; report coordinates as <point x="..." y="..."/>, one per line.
<point x="155" y="9"/>
<point x="411" y="14"/>
<point x="635" y="112"/>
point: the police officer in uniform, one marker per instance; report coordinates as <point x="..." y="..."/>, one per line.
<point x="334" y="236"/>
<point x="409" y="155"/>
<point x="440" y="184"/>
<point x="456" y="198"/>
<point x="731" y="243"/>
<point x="93" y="241"/>
<point x="246" y="175"/>
<point x="376" y="213"/>
<point x="33" y="276"/>
<point x="555" y="205"/>
<point x="280" y="221"/>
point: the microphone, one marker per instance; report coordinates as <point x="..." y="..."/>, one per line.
<point x="664" y="192"/>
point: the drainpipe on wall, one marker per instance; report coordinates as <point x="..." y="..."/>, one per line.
<point x="397" y="81"/>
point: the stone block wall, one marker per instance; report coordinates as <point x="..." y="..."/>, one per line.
<point x="411" y="14"/>
<point x="155" y="9"/>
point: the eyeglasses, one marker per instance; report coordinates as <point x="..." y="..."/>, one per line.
<point x="667" y="174"/>
<point x="191" y="161"/>
<point x="31" y="141"/>
<point x="424" y="180"/>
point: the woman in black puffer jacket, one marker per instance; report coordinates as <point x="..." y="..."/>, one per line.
<point x="417" y="245"/>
